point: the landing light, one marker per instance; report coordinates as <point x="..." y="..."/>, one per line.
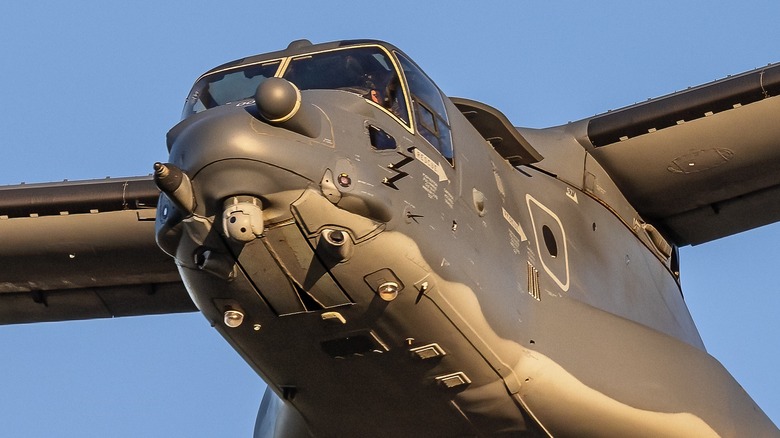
<point x="233" y="318"/>
<point x="388" y="290"/>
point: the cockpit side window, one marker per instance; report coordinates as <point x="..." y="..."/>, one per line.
<point x="429" y="111"/>
<point x="366" y="71"/>
<point x="230" y="86"/>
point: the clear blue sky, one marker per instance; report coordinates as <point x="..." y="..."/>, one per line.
<point x="89" y="90"/>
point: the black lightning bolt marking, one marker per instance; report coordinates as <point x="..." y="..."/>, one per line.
<point x="400" y="174"/>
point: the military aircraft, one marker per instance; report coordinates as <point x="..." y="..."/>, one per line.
<point x="396" y="262"/>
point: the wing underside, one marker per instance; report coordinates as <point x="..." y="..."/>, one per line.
<point x="702" y="163"/>
<point x="81" y="250"/>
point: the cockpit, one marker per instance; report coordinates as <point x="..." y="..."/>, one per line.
<point x="378" y="73"/>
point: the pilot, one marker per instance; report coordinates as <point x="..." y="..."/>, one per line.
<point x="364" y="75"/>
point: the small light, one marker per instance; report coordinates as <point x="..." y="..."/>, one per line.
<point x="256" y="327"/>
<point x="233" y="318"/>
<point x="344" y="180"/>
<point x="388" y="290"/>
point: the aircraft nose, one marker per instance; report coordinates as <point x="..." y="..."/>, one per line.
<point x="271" y="147"/>
<point x="238" y="131"/>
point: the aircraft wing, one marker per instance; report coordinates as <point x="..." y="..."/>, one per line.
<point x="81" y="250"/>
<point x="702" y="163"/>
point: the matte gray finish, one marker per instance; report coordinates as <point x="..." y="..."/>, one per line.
<point x="498" y="131"/>
<point x="277" y="99"/>
<point x="391" y="293"/>
<point x="709" y="156"/>
<point x="688" y="105"/>
<point x="84" y="249"/>
<point x="384" y="288"/>
<point x="73" y="197"/>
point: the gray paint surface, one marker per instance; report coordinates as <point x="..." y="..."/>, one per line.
<point x="142" y="147"/>
<point x="604" y="284"/>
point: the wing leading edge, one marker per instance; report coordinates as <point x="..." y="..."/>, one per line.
<point x="700" y="164"/>
<point x="81" y="250"/>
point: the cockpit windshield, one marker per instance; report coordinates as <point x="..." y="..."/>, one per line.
<point x="367" y="71"/>
<point x="382" y="76"/>
<point x="228" y="86"/>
